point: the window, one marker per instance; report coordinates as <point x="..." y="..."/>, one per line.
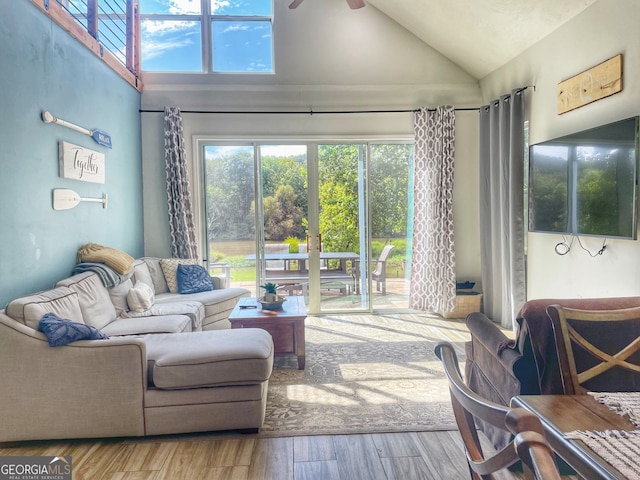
<point x="208" y="36"/>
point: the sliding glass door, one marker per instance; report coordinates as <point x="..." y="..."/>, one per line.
<point x="342" y="227"/>
<point x="327" y="221"/>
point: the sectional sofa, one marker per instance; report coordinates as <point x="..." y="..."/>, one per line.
<point x="173" y="367"/>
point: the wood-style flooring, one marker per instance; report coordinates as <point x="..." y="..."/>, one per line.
<point x="232" y="456"/>
<point x="388" y="456"/>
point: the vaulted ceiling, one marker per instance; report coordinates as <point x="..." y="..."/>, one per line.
<point x="480" y="35"/>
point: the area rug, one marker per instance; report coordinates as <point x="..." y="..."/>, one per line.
<point x="365" y="374"/>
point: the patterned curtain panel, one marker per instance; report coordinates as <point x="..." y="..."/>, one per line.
<point x="502" y="207"/>
<point x="433" y="264"/>
<point x="183" y="236"/>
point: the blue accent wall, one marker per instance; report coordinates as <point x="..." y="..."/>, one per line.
<point x="44" y="68"/>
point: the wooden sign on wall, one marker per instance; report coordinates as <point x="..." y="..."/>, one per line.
<point x="81" y="163"/>
<point x="591" y="85"/>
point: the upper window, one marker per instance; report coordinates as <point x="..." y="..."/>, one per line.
<point x="221" y="36"/>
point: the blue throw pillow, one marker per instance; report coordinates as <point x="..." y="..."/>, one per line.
<point x="60" y="331"/>
<point x="193" y="279"/>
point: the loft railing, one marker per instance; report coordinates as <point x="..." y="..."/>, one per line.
<point x="109" y="28"/>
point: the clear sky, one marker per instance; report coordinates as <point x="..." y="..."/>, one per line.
<point x="176" y="45"/>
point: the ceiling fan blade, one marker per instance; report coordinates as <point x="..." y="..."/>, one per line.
<point x="353" y="4"/>
<point x="295" y="3"/>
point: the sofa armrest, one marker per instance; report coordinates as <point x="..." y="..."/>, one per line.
<point x="89" y="388"/>
<point x="219" y="281"/>
<point x="486" y="334"/>
<point x="493" y="369"/>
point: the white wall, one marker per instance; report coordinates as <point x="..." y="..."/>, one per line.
<point x="328" y="57"/>
<point x="605" y="29"/>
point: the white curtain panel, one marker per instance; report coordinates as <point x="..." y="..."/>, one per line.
<point x="502" y="207"/>
<point x="182" y="228"/>
<point x="433" y="262"/>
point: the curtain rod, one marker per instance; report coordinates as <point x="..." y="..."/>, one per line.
<point x="304" y="112"/>
<point x="327" y="112"/>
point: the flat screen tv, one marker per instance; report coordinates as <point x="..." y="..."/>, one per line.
<point x="585" y="183"/>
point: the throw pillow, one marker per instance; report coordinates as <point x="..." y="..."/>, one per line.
<point x="140" y="297"/>
<point x="170" y="270"/>
<point x="118" y="260"/>
<point x="60" y="331"/>
<point x="193" y="279"/>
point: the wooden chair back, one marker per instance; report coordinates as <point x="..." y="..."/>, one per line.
<point x="467" y="405"/>
<point x="598" y="350"/>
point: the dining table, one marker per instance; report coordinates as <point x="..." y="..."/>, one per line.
<point x="587" y="434"/>
<point x="295" y="271"/>
<point x="302" y="258"/>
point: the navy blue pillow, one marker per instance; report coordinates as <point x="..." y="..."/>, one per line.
<point x="193" y="279"/>
<point x="60" y="331"/>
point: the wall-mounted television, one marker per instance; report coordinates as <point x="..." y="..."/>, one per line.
<point x="586" y="183"/>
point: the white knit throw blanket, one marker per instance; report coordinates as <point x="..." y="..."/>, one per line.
<point x="626" y="404"/>
<point x="619" y="448"/>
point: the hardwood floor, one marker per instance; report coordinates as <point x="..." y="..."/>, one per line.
<point x="232" y="456"/>
<point x="228" y="456"/>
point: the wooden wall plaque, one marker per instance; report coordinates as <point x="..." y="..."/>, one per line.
<point x="81" y="163"/>
<point x="591" y="85"/>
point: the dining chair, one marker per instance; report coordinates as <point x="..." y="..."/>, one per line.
<point x="469" y="407"/>
<point x="598" y="350"/>
<point x="536" y="454"/>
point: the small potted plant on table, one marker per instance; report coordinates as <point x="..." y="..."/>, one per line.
<point x="271" y="300"/>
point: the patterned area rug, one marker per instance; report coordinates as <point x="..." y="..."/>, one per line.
<point x="365" y="374"/>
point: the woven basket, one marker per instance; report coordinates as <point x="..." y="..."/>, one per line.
<point x="465" y="304"/>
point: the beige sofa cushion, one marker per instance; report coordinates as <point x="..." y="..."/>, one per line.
<point x="194" y="310"/>
<point x="168" y="324"/>
<point x="201" y="359"/>
<point x="29" y="310"/>
<point x="118" y="295"/>
<point x="151" y="274"/>
<point x="95" y="303"/>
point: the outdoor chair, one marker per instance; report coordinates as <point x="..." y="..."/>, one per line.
<point x="379" y="275"/>
<point x="469" y="406"/>
<point x="598" y="350"/>
<point x="276" y="248"/>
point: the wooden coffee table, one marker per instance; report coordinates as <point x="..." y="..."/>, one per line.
<point x="286" y="326"/>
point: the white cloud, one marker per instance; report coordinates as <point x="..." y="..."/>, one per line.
<point x="184" y="7"/>
<point x="155" y="28"/>
<point x="153" y="49"/>
<point x="218" y="4"/>
<point x="236" y="28"/>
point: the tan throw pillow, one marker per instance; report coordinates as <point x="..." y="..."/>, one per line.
<point x="140" y="297"/>
<point x="120" y="261"/>
<point x="170" y="270"/>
